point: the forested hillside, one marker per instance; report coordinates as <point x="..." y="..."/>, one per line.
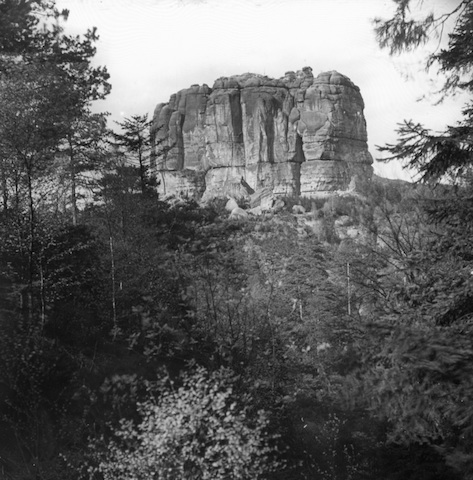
<point x="145" y="337"/>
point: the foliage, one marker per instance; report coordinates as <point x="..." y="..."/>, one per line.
<point x="197" y="429"/>
<point x="266" y="298"/>
<point x="251" y="288"/>
<point x="137" y="143"/>
<point x="419" y="373"/>
<point x="33" y="33"/>
<point x="406" y="31"/>
<point x="433" y="156"/>
<point x="417" y="378"/>
<point x="447" y="153"/>
<point x="82" y="153"/>
<point x="144" y="237"/>
<point x="412" y="368"/>
<point x="19" y="24"/>
<point x="35" y="380"/>
<point x="73" y="285"/>
<point x="47" y="83"/>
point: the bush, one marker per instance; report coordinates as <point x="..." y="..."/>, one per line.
<point x="309" y="203"/>
<point x="199" y="430"/>
<point x="338" y="206"/>
<point x="73" y="291"/>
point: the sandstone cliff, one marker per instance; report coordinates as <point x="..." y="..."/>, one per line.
<point x="297" y="135"/>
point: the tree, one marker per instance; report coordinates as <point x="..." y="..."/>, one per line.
<point x="450" y="152"/>
<point x="136" y="141"/>
<point x="198" y="429"/>
<point x="414" y="357"/>
<point x="83" y="143"/>
<point x="47" y="83"/>
<point x="34" y="104"/>
<point x="19" y="20"/>
<point x="73" y="285"/>
<point x="38" y="59"/>
<point x="445" y="156"/>
<point x="84" y="149"/>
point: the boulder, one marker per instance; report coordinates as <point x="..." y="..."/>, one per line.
<point x="231" y="205"/>
<point x="263" y="198"/>
<point x="238" y="214"/>
<point x="255" y="211"/>
<point x="343" y="221"/>
<point x="278" y="205"/>
<point x="298" y="209"/>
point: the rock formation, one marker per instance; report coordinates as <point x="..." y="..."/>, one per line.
<point x="298" y="135"/>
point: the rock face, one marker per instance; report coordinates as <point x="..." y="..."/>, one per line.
<point x="298" y="135"/>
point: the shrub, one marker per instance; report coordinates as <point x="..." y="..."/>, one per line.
<point x="217" y="205"/>
<point x="340" y="205"/>
<point x="199" y="430"/>
<point x="309" y="203"/>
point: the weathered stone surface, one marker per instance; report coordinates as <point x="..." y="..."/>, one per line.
<point x="231" y="205"/>
<point x="278" y="205"/>
<point x="224" y="182"/>
<point x="297" y="135"/>
<point x="238" y="214"/>
<point x="263" y="197"/>
<point x="298" y="209"/>
<point x="324" y="175"/>
<point x="255" y="211"/>
<point x="281" y="178"/>
<point x="183" y="183"/>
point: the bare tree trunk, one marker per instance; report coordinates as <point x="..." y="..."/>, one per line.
<point x="43" y="297"/>
<point x="348" y="290"/>
<point x="4" y="185"/>
<point x="31" y="242"/>
<point x="114" y="303"/>
<point x="142" y="173"/>
<point x="73" y="182"/>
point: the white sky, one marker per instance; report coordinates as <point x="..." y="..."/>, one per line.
<point x="153" y="48"/>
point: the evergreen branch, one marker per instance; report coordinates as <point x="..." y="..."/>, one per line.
<point x="401" y="34"/>
<point x="433" y="156"/>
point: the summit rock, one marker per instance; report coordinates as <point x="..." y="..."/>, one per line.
<point x="297" y="135"/>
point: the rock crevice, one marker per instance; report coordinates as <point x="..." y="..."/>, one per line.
<point x="297" y="135"/>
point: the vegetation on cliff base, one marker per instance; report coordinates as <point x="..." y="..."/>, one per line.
<point x="357" y="378"/>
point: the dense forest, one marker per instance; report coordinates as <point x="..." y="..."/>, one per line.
<point x="150" y="338"/>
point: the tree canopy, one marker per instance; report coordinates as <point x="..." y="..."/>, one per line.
<point x="449" y="153"/>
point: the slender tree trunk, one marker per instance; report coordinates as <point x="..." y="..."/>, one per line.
<point x="114" y="303"/>
<point x="32" y="233"/>
<point x="73" y="181"/>
<point x="152" y="166"/>
<point x="142" y="173"/>
<point x="17" y="192"/>
<point x="4" y="185"/>
<point x="348" y="290"/>
<point x="164" y="183"/>
<point x="43" y="297"/>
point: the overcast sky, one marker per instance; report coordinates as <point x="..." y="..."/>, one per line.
<point x="153" y="48"/>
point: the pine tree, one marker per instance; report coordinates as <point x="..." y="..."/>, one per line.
<point x="47" y="85"/>
<point x="449" y="153"/>
<point x="416" y="361"/>
<point x="136" y="141"/>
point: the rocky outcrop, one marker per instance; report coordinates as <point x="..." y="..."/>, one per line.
<point x="297" y="135"/>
